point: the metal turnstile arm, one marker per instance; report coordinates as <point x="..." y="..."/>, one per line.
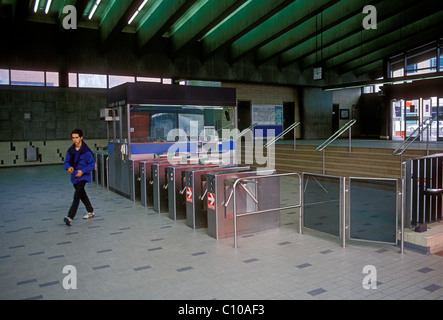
<point x="249" y="192"/>
<point x="204" y="194"/>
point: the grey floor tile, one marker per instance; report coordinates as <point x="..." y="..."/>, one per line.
<point x="130" y="252"/>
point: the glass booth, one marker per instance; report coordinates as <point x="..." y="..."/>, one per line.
<point x="149" y="120"/>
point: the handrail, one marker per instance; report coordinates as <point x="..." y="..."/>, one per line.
<point x="235" y="214"/>
<point x="421" y="128"/>
<point x="338" y="133"/>
<point x="241" y="134"/>
<point x="273" y="140"/>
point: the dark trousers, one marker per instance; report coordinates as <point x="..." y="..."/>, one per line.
<point x="79" y="194"/>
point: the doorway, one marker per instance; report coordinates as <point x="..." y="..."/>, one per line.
<point x="407" y="115"/>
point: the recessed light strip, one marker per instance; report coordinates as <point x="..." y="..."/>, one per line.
<point x="36" y="5"/>
<point x="138" y="11"/>
<point x="96" y="4"/>
<point x="48" y="6"/>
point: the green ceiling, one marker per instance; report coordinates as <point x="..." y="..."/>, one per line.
<point x="291" y="33"/>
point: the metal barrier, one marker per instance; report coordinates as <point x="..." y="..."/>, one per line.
<point x="423" y="190"/>
<point x="253" y="178"/>
<point x="367" y="208"/>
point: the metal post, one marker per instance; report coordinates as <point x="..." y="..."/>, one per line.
<point x="235" y="214"/>
<point x="323" y="161"/>
<point x="300" y="197"/>
<point x="402" y="218"/>
<point x="344" y="210"/>
<point x="428" y="136"/>
<point x="350" y="135"/>
<point x="295" y="137"/>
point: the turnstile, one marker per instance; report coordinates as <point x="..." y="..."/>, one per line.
<point x="134" y="179"/>
<point x="250" y="196"/>
<point x="176" y="177"/>
<point x="160" y="184"/>
<point x="196" y="208"/>
<point x="146" y="181"/>
<point x="100" y="174"/>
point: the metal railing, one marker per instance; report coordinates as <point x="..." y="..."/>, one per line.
<point x="423" y="190"/>
<point x="245" y="131"/>
<point x="425" y="125"/>
<point x="291" y="127"/>
<point x="338" y="133"/>
<point x="253" y="178"/>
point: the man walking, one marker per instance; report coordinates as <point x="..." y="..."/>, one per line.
<point x="79" y="162"/>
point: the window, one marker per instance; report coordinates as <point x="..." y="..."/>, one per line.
<point x="52" y="79"/>
<point x="27" y="78"/>
<point x="72" y="80"/>
<point x="4" y="76"/>
<point x="146" y="79"/>
<point x="75" y="80"/>
<point x="118" y="80"/>
<point x="86" y="80"/>
<point x="420" y="60"/>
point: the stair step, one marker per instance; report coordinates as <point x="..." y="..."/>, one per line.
<point x="360" y="162"/>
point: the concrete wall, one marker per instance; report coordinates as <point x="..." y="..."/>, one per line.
<point x="54" y="113"/>
<point x="316" y="113"/>
<point x="349" y="100"/>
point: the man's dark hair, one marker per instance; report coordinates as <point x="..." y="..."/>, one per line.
<point x="78" y="131"/>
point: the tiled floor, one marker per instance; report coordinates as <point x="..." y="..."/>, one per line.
<point x="129" y="252"/>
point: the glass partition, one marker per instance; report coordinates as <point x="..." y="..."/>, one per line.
<point x="150" y="123"/>
<point x="321" y="203"/>
<point x="373" y="209"/>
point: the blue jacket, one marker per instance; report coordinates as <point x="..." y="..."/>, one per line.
<point x="83" y="160"/>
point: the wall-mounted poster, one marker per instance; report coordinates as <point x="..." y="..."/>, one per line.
<point x="267" y="115"/>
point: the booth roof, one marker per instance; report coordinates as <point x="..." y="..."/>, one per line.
<point x="170" y="94"/>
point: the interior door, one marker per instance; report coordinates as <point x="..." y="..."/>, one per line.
<point x="412" y="116"/>
<point x="335" y="117"/>
<point x="439" y="113"/>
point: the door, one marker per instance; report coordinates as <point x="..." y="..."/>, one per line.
<point x="335" y="117"/>
<point x="288" y="118"/>
<point x="412" y="116"/>
<point x="244" y="114"/>
<point x="439" y="113"/>
<point x="398" y="132"/>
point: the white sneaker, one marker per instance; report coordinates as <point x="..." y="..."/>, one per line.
<point x="89" y="215"/>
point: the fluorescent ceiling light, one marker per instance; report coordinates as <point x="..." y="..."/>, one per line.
<point x="94" y="8"/>
<point x="36" y="5"/>
<point x="138" y="11"/>
<point x="48" y="5"/>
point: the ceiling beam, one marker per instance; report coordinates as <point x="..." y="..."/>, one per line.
<point x="275" y="27"/>
<point x="307" y="16"/>
<point x="335" y="42"/>
<point x="337" y="22"/>
<point x="159" y="20"/>
<point x="20" y="10"/>
<point x="206" y="18"/>
<point x="246" y="19"/>
<point x="404" y="38"/>
<point x="116" y="20"/>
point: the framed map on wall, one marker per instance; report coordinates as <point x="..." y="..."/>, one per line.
<point x="267" y="114"/>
